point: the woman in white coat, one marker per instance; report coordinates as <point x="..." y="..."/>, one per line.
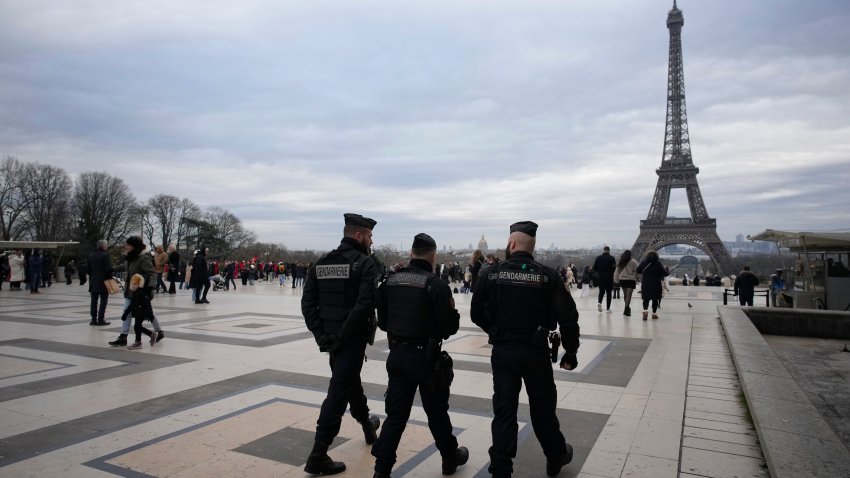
<point x="16" y="270"/>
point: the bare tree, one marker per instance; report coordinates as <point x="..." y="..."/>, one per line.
<point x="165" y="210"/>
<point x="227" y="228"/>
<point x="13" y="201"/>
<point x="388" y="255"/>
<point x="149" y="223"/>
<point x="105" y="208"/>
<point x="48" y="208"/>
<point x="187" y="212"/>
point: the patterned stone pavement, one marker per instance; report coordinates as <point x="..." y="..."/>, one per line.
<point x="235" y="387"/>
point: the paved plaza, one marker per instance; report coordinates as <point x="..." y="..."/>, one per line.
<point x="234" y="390"/>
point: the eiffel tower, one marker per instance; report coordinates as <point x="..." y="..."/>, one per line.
<point x="678" y="171"/>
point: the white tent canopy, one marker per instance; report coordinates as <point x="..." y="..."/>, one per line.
<point x="6" y="245"/>
<point x="806" y="241"/>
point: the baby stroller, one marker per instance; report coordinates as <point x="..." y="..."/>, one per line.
<point x="217" y="282"/>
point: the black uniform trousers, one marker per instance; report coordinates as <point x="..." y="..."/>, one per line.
<point x="512" y="363"/>
<point x="344" y="389"/>
<point x="409" y="369"/>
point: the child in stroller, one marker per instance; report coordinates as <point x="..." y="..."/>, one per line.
<point x="217" y="282"/>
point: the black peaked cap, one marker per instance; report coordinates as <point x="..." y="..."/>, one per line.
<point x="424" y="241"/>
<point x="526" y="227"/>
<point x="352" y="219"/>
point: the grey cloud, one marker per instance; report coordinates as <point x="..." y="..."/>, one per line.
<point x="439" y="116"/>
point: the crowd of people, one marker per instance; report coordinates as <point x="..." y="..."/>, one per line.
<point x="33" y="268"/>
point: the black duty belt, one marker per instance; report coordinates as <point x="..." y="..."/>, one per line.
<point x="409" y="341"/>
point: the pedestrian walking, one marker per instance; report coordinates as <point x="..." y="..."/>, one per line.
<point x="604" y="267"/>
<point x="626" y="276"/>
<point x="100" y="269"/>
<point x="652" y="278"/>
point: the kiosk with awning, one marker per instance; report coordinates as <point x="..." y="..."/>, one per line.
<point x="61" y="245"/>
<point x="821" y="278"/>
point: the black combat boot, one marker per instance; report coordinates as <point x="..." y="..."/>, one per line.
<point x="460" y="459"/>
<point x="102" y="322"/>
<point x="370" y="428"/>
<point x="381" y="474"/>
<point x="121" y="340"/>
<point x="319" y="463"/>
<point x="554" y="467"/>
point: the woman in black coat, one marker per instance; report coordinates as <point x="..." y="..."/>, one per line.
<point x="173" y="268"/>
<point x="200" y="276"/>
<point x="653" y="274"/>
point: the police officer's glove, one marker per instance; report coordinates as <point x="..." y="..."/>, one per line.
<point x="328" y="342"/>
<point x="569" y="361"/>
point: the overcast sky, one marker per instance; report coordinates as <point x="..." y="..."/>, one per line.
<point x="452" y="117"/>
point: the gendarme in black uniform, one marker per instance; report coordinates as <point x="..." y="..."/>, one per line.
<point x="338" y="309"/>
<point x="417" y="310"/>
<point x="516" y="297"/>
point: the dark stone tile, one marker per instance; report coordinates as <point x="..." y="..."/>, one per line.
<point x="289" y="445"/>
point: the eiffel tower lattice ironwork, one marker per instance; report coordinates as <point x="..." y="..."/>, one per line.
<point x="678" y="171"/>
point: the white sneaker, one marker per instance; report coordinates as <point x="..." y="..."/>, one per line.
<point x="599" y="307"/>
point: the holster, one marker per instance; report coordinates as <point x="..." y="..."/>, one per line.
<point x="371" y="328"/>
<point x="443" y="374"/>
<point x="555" y="341"/>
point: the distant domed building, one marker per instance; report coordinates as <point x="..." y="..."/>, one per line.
<point x="482" y="244"/>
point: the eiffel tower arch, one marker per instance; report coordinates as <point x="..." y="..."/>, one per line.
<point x="678" y="171"/>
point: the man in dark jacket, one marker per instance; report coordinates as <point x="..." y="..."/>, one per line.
<point x="173" y="268"/>
<point x="47" y="267"/>
<point x="200" y="275"/>
<point x="35" y="265"/>
<point x="604" y="267"/>
<point x="338" y="309"/>
<point x="99" y="269"/>
<point x="745" y="285"/>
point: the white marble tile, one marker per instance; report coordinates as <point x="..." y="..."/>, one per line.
<point x="665" y="405"/>
<point x="604" y="463"/>
<point x="618" y="434"/>
<point x="658" y="437"/>
<point x="640" y="466"/>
